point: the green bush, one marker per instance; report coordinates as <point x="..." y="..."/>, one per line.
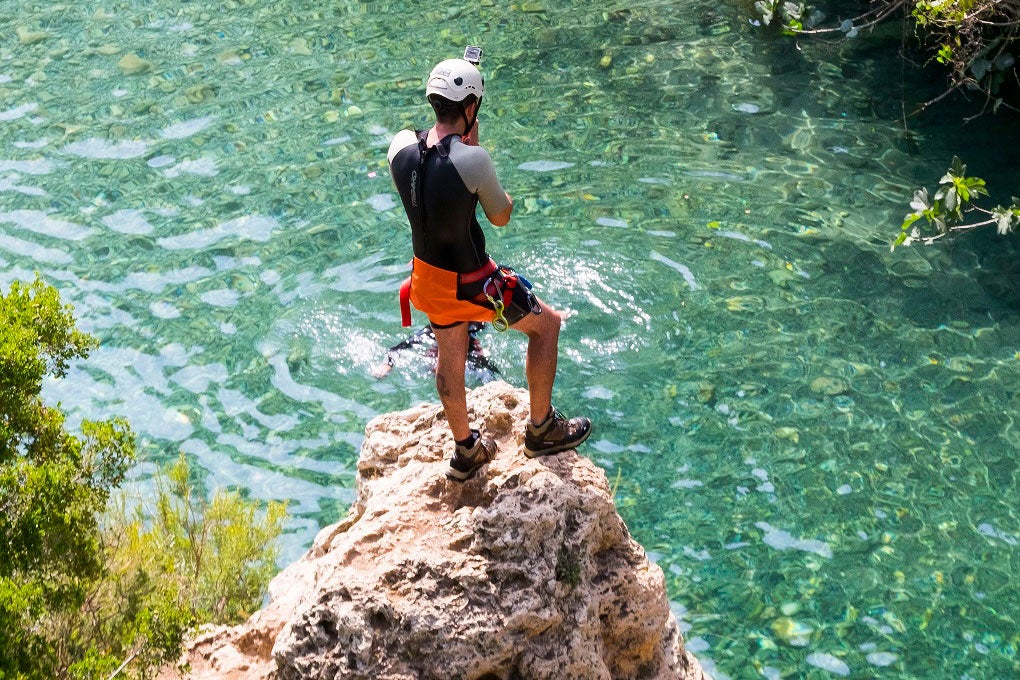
<point x="88" y="593"/>
<point x="219" y="553"/>
<point x="53" y="485"/>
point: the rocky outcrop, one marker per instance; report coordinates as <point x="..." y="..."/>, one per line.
<point x="525" y="571"/>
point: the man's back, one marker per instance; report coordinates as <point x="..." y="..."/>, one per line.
<point x="440" y="188"/>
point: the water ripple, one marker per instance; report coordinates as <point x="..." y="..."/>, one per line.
<point x="17" y="112"/>
<point x="187" y="128"/>
<point x="10" y="184"/>
<point x="41" y="223"/>
<point x="253" y="227"/>
<point x="103" y="149"/>
<point x="36" y="166"/>
<point x="128" y="221"/>
<point x="684" y="270"/>
<point x="34" y="251"/>
<point x="783" y="540"/>
<point x="331" y="403"/>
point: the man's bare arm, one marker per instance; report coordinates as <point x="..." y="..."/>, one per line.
<point x="503" y="218"/>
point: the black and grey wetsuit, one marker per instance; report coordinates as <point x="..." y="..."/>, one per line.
<point x="440" y="188"/>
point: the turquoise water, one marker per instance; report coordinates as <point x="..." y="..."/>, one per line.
<point x="814" y="437"/>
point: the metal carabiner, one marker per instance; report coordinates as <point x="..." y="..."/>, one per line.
<point x="499" y="322"/>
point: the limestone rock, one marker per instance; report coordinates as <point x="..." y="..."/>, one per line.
<point x="525" y="571"/>
<point x="30" y="37"/>
<point x="131" y="65"/>
<point x="829" y="386"/>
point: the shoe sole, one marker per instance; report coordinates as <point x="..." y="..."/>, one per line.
<point x="458" y="476"/>
<point x="559" y="448"/>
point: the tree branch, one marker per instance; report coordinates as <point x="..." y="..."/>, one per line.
<point x="861" y="21"/>
<point x="131" y="657"/>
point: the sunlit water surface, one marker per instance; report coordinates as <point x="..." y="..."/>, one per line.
<point x="815" y="438"/>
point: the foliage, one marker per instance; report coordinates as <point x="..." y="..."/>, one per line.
<point x="976" y="39"/>
<point x="84" y="598"/>
<point x="186" y="560"/>
<point x="53" y="485"/>
<point x="945" y="212"/>
<point x="221" y="552"/>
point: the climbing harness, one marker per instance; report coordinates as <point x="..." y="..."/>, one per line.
<point x="499" y="291"/>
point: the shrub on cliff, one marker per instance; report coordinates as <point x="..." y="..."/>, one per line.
<point x="85" y="594"/>
<point x="218" y="554"/>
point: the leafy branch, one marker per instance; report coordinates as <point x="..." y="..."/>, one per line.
<point x="796" y="18"/>
<point x="946" y="212"/>
<point x="976" y="39"/>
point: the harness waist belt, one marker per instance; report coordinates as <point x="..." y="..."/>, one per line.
<point x="479" y="274"/>
<point x="433" y="291"/>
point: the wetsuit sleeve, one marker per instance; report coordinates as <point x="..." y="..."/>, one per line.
<point x="479" y="176"/>
<point x="402" y="139"/>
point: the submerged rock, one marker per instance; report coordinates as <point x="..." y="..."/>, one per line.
<point x="30" y="37"/>
<point x="131" y="65"/>
<point x="525" y="571"/>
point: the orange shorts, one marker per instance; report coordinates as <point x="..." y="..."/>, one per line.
<point x="434" y="293"/>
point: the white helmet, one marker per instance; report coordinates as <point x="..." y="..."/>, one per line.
<point x="455" y="79"/>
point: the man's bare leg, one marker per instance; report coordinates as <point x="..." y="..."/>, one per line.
<point x="543" y="331"/>
<point x="452" y="345"/>
<point x="549" y="432"/>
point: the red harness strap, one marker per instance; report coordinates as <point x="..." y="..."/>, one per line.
<point x="405" y="303"/>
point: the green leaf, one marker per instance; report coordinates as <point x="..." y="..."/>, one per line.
<point x="908" y="221"/>
<point x="962" y="190"/>
<point x="976" y="186"/>
<point x="952" y="200"/>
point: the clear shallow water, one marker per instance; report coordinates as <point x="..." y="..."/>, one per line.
<point x="813" y="437"/>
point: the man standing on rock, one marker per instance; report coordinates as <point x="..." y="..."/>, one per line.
<point x="442" y="174"/>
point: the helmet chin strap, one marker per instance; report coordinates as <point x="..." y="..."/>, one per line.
<point x="470" y="123"/>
